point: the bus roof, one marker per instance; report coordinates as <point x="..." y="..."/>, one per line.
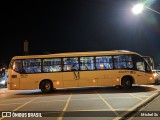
<point x="76" y="54"/>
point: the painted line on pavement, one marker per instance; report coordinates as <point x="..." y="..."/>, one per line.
<point x="108" y="105"/>
<point x="141" y="109"/>
<point x="65" y="108"/>
<point x="21" y="106"/>
<point x="137" y="106"/>
<point x="135" y="96"/>
<point x="35" y="102"/>
<point x="25" y="104"/>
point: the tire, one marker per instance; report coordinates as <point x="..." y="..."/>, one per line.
<point x="46" y="86"/>
<point x="127" y="83"/>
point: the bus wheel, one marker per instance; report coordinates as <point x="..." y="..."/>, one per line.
<point x="127" y="83"/>
<point x="46" y="86"/>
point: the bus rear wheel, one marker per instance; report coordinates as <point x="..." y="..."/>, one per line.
<point x="46" y="86"/>
<point x="127" y="82"/>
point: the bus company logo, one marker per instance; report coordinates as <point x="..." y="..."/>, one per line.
<point x="76" y="75"/>
<point x="6" y="114"/>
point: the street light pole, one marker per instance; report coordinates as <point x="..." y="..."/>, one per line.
<point x="152" y="10"/>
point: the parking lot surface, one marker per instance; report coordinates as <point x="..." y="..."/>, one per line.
<point x="77" y="103"/>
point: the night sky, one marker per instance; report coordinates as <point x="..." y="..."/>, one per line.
<point x="53" y="26"/>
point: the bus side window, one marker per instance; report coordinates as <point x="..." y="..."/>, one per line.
<point x="108" y="66"/>
<point x="25" y="70"/>
<point x="140" y="66"/>
<point x="67" y="67"/>
<point x="46" y="69"/>
<point x="17" y="66"/>
<point x="36" y="69"/>
<point x="75" y="66"/>
<point x="129" y="65"/>
<point x="122" y="65"/>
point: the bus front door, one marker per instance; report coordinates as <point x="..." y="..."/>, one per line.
<point x="142" y="78"/>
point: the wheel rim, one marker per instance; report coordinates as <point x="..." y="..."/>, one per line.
<point x="128" y="83"/>
<point x="47" y="86"/>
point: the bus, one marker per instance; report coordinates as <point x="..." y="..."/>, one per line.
<point x="78" y="69"/>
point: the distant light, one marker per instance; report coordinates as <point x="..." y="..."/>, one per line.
<point x="2" y="82"/>
<point x="137" y="9"/>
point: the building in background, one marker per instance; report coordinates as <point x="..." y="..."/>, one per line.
<point x="26" y="50"/>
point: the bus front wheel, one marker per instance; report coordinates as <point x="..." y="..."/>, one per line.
<point x="46" y="86"/>
<point x="127" y="83"/>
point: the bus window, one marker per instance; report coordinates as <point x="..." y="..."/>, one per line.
<point x="52" y="65"/>
<point x="129" y="64"/>
<point x="148" y="69"/>
<point x="149" y="60"/>
<point x="119" y="62"/>
<point x="140" y="66"/>
<point x="87" y="63"/>
<point x="104" y="62"/>
<point x="32" y="66"/>
<point x="123" y="62"/>
<point x="70" y="64"/>
<point x="17" y="66"/>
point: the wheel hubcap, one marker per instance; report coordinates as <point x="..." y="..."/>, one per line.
<point x="47" y="86"/>
<point x="128" y="83"/>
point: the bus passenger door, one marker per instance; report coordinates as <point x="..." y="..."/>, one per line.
<point x="141" y="75"/>
<point x="15" y="82"/>
<point x="142" y="78"/>
<point x="14" y="76"/>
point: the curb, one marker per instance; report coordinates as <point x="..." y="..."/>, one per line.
<point x="133" y="110"/>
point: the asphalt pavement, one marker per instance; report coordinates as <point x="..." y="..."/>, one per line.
<point x="102" y="103"/>
<point x="151" y="111"/>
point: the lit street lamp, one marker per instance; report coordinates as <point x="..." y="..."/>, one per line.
<point x="138" y="8"/>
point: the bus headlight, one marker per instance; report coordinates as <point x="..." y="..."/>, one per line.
<point x="154" y="74"/>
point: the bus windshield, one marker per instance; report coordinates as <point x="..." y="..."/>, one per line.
<point x="149" y="60"/>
